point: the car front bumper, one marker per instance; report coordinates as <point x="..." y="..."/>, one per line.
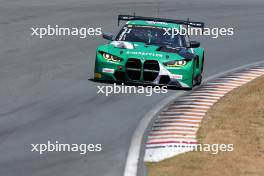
<point x="150" y="72"/>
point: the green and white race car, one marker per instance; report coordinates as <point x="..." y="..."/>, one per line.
<point x="145" y="52"/>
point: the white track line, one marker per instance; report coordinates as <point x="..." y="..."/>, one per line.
<point x="192" y="103"/>
<point x="214" y="92"/>
<point x="202" y="97"/>
<point x="176" y="124"/>
<point x="248" y="74"/>
<point x="242" y="76"/>
<point x="236" y="79"/>
<point x="216" y="88"/>
<point x="190" y="106"/>
<point x="175" y="128"/>
<point x="172" y="131"/>
<point x="197" y="100"/>
<point x="206" y="94"/>
<point x="176" y="120"/>
<point x="223" y="83"/>
<point x="181" y="116"/>
<point x="182" y="113"/>
<point x="182" y="109"/>
<point x="173" y="136"/>
<point x="171" y="140"/>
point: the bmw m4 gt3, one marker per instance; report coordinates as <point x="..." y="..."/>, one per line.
<point x="143" y="52"/>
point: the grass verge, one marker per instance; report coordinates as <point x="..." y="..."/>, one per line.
<point x="238" y="119"/>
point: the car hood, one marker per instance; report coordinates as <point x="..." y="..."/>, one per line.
<point x="144" y="51"/>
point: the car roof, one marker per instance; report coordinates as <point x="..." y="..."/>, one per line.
<point x="153" y="23"/>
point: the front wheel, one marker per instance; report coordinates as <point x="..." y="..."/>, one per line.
<point x="199" y="80"/>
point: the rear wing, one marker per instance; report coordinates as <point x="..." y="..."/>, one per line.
<point x="184" y="22"/>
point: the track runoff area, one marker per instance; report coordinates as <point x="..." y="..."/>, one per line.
<point x="175" y="130"/>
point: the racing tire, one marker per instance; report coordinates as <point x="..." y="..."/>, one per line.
<point x="199" y="80"/>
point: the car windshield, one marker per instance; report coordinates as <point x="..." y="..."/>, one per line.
<point x="149" y="35"/>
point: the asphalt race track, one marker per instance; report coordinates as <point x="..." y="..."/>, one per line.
<point x="44" y="89"/>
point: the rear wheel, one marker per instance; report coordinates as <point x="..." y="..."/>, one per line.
<point x="193" y="79"/>
<point x="202" y="69"/>
<point x="199" y="78"/>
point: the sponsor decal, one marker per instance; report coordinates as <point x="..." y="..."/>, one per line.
<point x="174" y="76"/>
<point x="157" y="22"/>
<point x="108" y="70"/>
<point x="144" y="53"/>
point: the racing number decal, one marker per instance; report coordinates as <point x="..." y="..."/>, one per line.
<point x="126" y="31"/>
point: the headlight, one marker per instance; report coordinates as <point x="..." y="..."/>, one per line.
<point x="175" y="63"/>
<point x="110" y="57"/>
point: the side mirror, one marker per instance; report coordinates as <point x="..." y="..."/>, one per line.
<point x="108" y="36"/>
<point x="194" y="44"/>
